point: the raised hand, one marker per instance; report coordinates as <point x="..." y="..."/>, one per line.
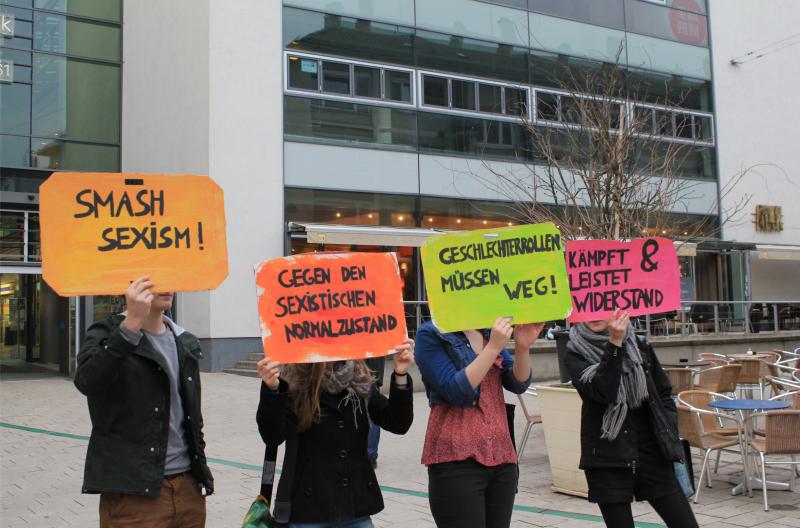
<point x="618" y="327"/>
<point x="501" y="333"/>
<point x="138" y="299"/>
<point x="404" y="357"/>
<point x="526" y="334"/>
<point x="270" y="373"/>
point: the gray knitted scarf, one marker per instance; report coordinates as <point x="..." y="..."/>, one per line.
<point x="633" y="385"/>
<point x="342" y="376"/>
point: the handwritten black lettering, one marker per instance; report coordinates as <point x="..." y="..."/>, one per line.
<point x="340" y="327"/>
<point x="146" y="202"/>
<point x="460" y="281"/>
<point x="509" y="247"/>
<point x="327" y="300"/>
<point x="626" y="299"/>
<point x="354" y="273"/>
<point x="304" y="277"/>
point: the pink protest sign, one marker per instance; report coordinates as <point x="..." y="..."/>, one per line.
<point x="640" y="276"/>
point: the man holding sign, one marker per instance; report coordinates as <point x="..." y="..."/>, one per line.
<point x="324" y="314"/>
<point x="146" y="456"/>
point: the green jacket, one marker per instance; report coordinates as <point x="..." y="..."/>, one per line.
<point x="128" y="391"/>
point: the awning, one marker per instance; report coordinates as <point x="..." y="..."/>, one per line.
<point x="401" y="237"/>
<point x="363" y="235"/>
<point x="778" y="252"/>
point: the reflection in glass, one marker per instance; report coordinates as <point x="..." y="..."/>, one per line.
<point x="398" y="86"/>
<point x="335" y="77"/>
<point x="347" y="37"/>
<point x="547" y="106"/>
<point x="53" y="154"/>
<point x="367" y="81"/>
<point x="105" y="9"/>
<point x="12" y="236"/>
<point x="670" y="90"/>
<point x="15" y="151"/>
<point x="491" y="99"/>
<point x="463" y="94"/>
<point x="15" y="109"/>
<point x="59" y="34"/>
<point x="435" y="90"/>
<point x="75" y="99"/>
<point x="469" y="136"/>
<point x="350" y="208"/>
<point x="303" y="73"/>
<point x="349" y="123"/>
<point x="516" y="101"/>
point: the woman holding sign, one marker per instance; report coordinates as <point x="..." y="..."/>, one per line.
<point x="469" y="449"/>
<point x="320" y="410"/>
<point x="629" y="437"/>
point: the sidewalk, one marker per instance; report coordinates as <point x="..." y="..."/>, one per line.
<point x="44" y="426"/>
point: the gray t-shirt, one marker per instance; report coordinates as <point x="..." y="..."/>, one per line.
<point x="164" y="343"/>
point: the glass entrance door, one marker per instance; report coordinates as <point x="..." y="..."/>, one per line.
<point x="19" y="318"/>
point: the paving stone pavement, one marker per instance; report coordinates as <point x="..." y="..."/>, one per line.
<point x="40" y="472"/>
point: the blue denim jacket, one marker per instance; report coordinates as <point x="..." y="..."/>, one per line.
<point x="442" y="360"/>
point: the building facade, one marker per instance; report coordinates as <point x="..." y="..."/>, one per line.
<point x="365" y="124"/>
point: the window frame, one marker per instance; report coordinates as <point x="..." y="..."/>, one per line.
<point x="351" y="97"/>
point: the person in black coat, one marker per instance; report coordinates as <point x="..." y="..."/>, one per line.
<point x="321" y="411"/>
<point x="629" y="437"/>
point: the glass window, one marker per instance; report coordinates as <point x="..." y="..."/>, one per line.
<point x="463" y="94"/>
<point x="474" y="19"/>
<point x="570" y="110"/>
<point x="21" y="178"/>
<point x="669" y="90"/>
<point x="471" y="136"/>
<point x="694" y="6"/>
<point x="670" y="57"/>
<point x="52" y="154"/>
<point x="566" y="37"/>
<point x="547" y="106"/>
<point x="398" y="11"/>
<point x="468" y="56"/>
<point x="303" y="73"/>
<point x="18" y="12"/>
<point x="349" y="123"/>
<point x="491" y="98"/>
<point x="347" y="37"/>
<point x="105" y="9"/>
<point x="335" y="77"/>
<point x="22" y="28"/>
<point x="516" y="101"/>
<point x="662" y="22"/>
<point x="15" y="151"/>
<point x="688" y="161"/>
<point x="16" y="43"/>
<point x="19" y="57"/>
<point x="398" y="85"/>
<point x="367" y="81"/>
<point x="684" y="127"/>
<point x="352" y="208"/>
<point x="608" y="13"/>
<point x="15" y="108"/>
<point x="435" y="89"/>
<point x="12" y="236"/>
<point x="60" y="34"/>
<point x="702" y="125"/>
<point x="643" y="120"/>
<point x="450" y="213"/>
<point x="75" y="99"/>
<point x="663" y="122"/>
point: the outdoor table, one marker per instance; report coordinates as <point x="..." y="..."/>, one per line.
<point x="747" y="356"/>
<point x="746" y="408"/>
<point x="687" y="364"/>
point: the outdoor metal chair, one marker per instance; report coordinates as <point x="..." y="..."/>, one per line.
<point x="720" y="379"/>
<point x="713" y="357"/>
<point x="531" y="419"/>
<point x="699" y="400"/>
<point x="681" y="379"/>
<point x="690" y="427"/>
<point x="749" y="376"/>
<point x="781" y="437"/>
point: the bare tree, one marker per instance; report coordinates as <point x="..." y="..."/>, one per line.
<point x="599" y="166"/>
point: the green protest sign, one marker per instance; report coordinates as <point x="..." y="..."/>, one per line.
<point x="474" y="277"/>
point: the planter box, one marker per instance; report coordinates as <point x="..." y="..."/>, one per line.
<point x="560" y="407"/>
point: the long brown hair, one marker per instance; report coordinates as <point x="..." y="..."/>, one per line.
<point x="305" y="384"/>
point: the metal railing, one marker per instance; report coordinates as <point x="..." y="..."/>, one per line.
<point x="694" y="318"/>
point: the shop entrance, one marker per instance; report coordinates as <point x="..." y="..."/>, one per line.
<point x="20" y="335"/>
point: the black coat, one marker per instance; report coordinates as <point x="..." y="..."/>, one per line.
<point x="602" y="390"/>
<point x="127" y="387"/>
<point x="333" y="478"/>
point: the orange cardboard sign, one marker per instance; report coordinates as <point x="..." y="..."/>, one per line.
<point x="100" y="231"/>
<point x="329" y="306"/>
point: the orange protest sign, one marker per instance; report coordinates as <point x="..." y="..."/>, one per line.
<point x="100" y="231"/>
<point x="328" y="306"/>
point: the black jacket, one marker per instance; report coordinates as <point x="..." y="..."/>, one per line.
<point x="333" y="478"/>
<point x="602" y="390"/>
<point x="128" y="390"/>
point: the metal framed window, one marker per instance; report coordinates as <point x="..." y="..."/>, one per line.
<point x="19" y="237"/>
<point x="347" y="80"/>
<point x="676" y="124"/>
<point x="473" y="96"/>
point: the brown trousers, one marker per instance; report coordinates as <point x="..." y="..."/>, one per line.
<point x="180" y="505"/>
